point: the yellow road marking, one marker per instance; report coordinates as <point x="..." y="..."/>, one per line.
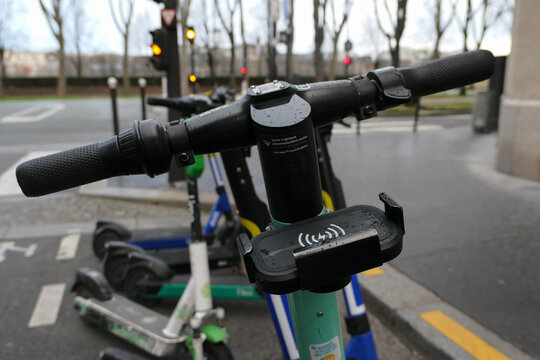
<point x="373" y="272"/>
<point x="462" y="337"/>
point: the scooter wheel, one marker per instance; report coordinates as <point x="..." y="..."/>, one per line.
<point x="115" y="269"/>
<point x="217" y="351"/>
<point x="133" y="290"/>
<point x="99" y="241"/>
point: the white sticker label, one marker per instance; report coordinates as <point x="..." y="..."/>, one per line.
<point x="329" y="350"/>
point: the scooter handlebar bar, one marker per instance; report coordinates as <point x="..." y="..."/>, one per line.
<point x="148" y="146"/>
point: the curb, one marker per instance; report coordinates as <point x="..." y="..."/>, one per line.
<point x="167" y="197"/>
<point x="399" y="302"/>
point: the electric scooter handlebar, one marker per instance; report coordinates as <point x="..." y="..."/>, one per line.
<point x="149" y="146"/>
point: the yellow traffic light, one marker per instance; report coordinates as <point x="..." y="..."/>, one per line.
<point x="192" y="78"/>
<point x="156" y="49"/>
<point x="190" y="34"/>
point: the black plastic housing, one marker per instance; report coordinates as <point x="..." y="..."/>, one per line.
<point x="317" y="253"/>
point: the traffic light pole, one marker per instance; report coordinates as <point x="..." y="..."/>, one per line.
<point x="173" y="72"/>
<point x="173" y="80"/>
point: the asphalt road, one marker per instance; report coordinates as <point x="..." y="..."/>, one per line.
<point x="472" y="233"/>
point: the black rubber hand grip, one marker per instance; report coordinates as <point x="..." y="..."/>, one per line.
<point x="62" y="171"/>
<point x="449" y="72"/>
<point x="161" y="101"/>
<point x="142" y="149"/>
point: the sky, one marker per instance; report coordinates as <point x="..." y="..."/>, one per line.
<point x="101" y="34"/>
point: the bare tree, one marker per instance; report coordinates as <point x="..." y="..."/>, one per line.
<point x="289" y="64"/>
<point x="78" y="31"/>
<point x="319" y="20"/>
<point x="208" y="41"/>
<point x="244" y="43"/>
<point x="122" y="21"/>
<point x="440" y="26"/>
<point x="229" y="28"/>
<point x="55" y="19"/>
<point x="490" y="11"/>
<point x="337" y="27"/>
<point x="464" y="22"/>
<point x="6" y="8"/>
<point x="373" y="36"/>
<point x="184" y="7"/>
<point x="397" y="27"/>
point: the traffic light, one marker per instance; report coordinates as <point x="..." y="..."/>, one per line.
<point x="243" y="70"/>
<point x="190" y="34"/>
<point x="192" y="79"/>
<point x="347" y="60"/>
<point x="159" y="49"/>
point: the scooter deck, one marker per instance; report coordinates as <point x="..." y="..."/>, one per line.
<point x="133" y="322"/>
<point x="219" y="257"/>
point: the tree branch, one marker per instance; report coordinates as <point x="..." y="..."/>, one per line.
<point x="115" y="20"/>
<point x="49" y="17"/>
<point x="379" y="21"/>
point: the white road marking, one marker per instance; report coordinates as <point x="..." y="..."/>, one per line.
<point x="68" y="245"/>
<point x="47" y="305"/>
<point x="23" y="117"/>
<point x="10" y="245"/>
<point x="8" y="180"/>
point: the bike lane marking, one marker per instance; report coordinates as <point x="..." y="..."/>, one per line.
<point x="68" y="245"/>
<point x="10" y="245"/>
<point x="8" y="180"/>
<point x="25" y="115"/>
<point x="47" y="305"/>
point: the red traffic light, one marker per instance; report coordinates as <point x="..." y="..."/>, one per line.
<point x="347" y="60"/>
<point x="243" y="70"/>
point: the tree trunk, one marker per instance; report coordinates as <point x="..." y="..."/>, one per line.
<point x="79" y="64"/>
<point x="61" y="85"/>
<point x="318" y="60"/>
<point x="290" y="39"/>
<point x="2" y="71"/>
<point x="436" y="53"/>
<point x="332" y="75"/>
<point x="126" y="64"/>
<point x="463" y="90"/>
<point x="211" y="65"/>
<point x="395" y="55"/>
<point x="232" y="77"/>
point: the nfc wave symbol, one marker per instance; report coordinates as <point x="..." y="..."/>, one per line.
<point x="331" y="232"/>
